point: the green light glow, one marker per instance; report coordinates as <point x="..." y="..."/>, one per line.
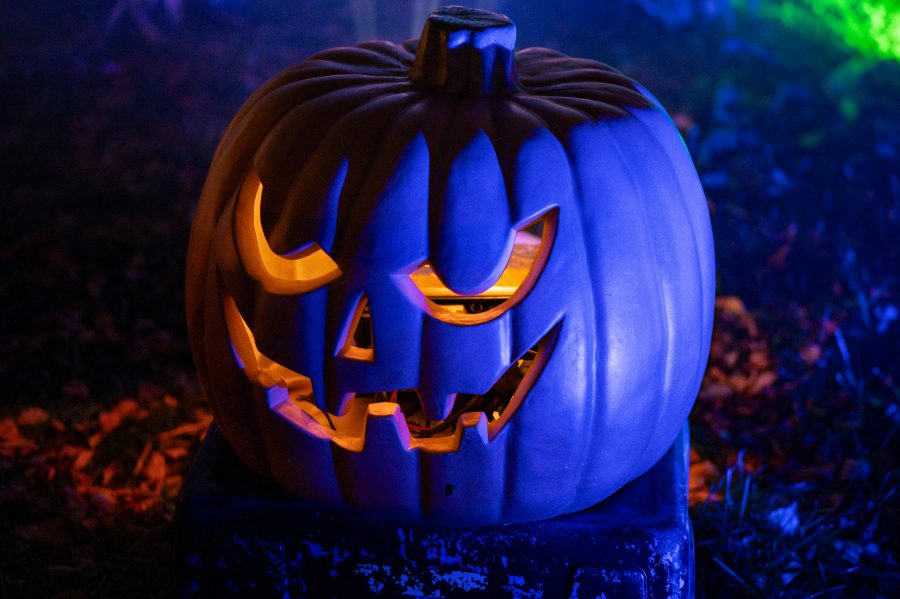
<point x="872" y="27"/>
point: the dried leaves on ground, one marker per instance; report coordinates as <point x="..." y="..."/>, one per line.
<point x="77" y="488"/>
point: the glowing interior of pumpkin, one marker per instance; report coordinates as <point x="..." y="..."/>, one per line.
<point x="525" y="251"/>
<point x="290" y="395"/>
<point x="531" y="249"/>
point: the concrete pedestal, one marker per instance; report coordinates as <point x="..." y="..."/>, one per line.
<point x="238" y="534"/>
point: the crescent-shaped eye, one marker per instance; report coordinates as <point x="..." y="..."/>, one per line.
<point x="299" y="271"/>
<point x="530" y="252"/>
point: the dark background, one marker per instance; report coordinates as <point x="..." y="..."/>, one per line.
<point x="110" y="114"/>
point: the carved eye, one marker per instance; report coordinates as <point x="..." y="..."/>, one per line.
<point x="357" y="338"/>
<point x="530" y="251"/>
<point x="296" y="272"/>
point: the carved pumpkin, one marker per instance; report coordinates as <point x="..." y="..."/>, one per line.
<point x="445" y="281"/>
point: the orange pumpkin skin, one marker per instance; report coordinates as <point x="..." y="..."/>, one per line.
<point x="382" y="172"/>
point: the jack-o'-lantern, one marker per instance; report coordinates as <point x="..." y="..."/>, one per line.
<point x="445" y="281"/>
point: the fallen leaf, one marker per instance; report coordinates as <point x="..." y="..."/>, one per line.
<point x="109" y="473"/>
<point x="173" y="485"/>
<point x="734" y="307"/>
<point x="176" y="453"/>
<point x="142" y="459"/>
<point x="811" y="353"/>
<point x="11" y="440"/>
<point x="94" y="440"/>
<point x="111" y="419"/>
<point x="715" y="391"/>
<point x="759" y="360"/>
<point x="83" y="459"/>
<point x="103" y="498"/>
<point x="154" y="472"/>
<point x="739" y="382"/>
<point x="193" y="429"/>
<point x="766" y="379"/>
<point x="32" y="416"/>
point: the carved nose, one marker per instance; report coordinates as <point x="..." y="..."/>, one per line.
<point x="357" y="341"/>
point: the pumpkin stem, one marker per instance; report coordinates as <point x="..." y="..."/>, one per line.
<point x="466" y="50"/>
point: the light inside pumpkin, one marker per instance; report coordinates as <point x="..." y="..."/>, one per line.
<point x="530" y="251"/>
<point x="358" y="339"/>
<point x="290" y="395"/>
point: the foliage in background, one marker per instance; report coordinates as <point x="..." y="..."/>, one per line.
<point x="871" y="27"/>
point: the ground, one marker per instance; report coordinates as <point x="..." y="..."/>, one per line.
<point x="107" y="130"/>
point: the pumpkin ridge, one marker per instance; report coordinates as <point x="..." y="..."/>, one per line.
<point x="668" y="300"/>
<point x="357" y="106"/>
<point x="357" y="174"/>
<point x="706" y="304"/>
<point x="660" y="292"/>
<point x="471" y="125"/>
<point x="673" y="141"/>
<point x="326" y="103"/>
<point x="237" y="134"/>
<point x="597" y="82"/>
<point x="509" y="117"/>
<point x="331" y="128"/>
<point x="321" y="112"/>
<point x="596" y="92"/>
<point x="396" y="51"/>
<point x="292" y="74"/>
<point x="577" y="213"/>
<point x="324" y="68"/>
<point x="540" y="51"/>
<point x="273" y="102"/>
<point x="405" y="121"/>
<point x="359" y="55"/>
<point x="441" y="143"/>
<point x="597" y="110"/>
<point x="563" y="66"/>
<point x="539" y="80"/>
<point x="321" y="64"/>
<point x="578" y="198"/>
<point x="545" y="106"/>
<point x="365" y="171"/>
<point x="364" y="168"/>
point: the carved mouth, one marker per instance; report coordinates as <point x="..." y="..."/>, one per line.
<point x="290" y="396"/>
<point x="506" y="391"/>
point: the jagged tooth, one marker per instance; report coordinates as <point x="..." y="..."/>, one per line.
<point x="472" y="428"/>
<point x="385" y="427"/>
<point x="437" y="406"/>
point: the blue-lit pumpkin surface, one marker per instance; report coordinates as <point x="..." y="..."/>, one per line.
<point x="444" y="281"/>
